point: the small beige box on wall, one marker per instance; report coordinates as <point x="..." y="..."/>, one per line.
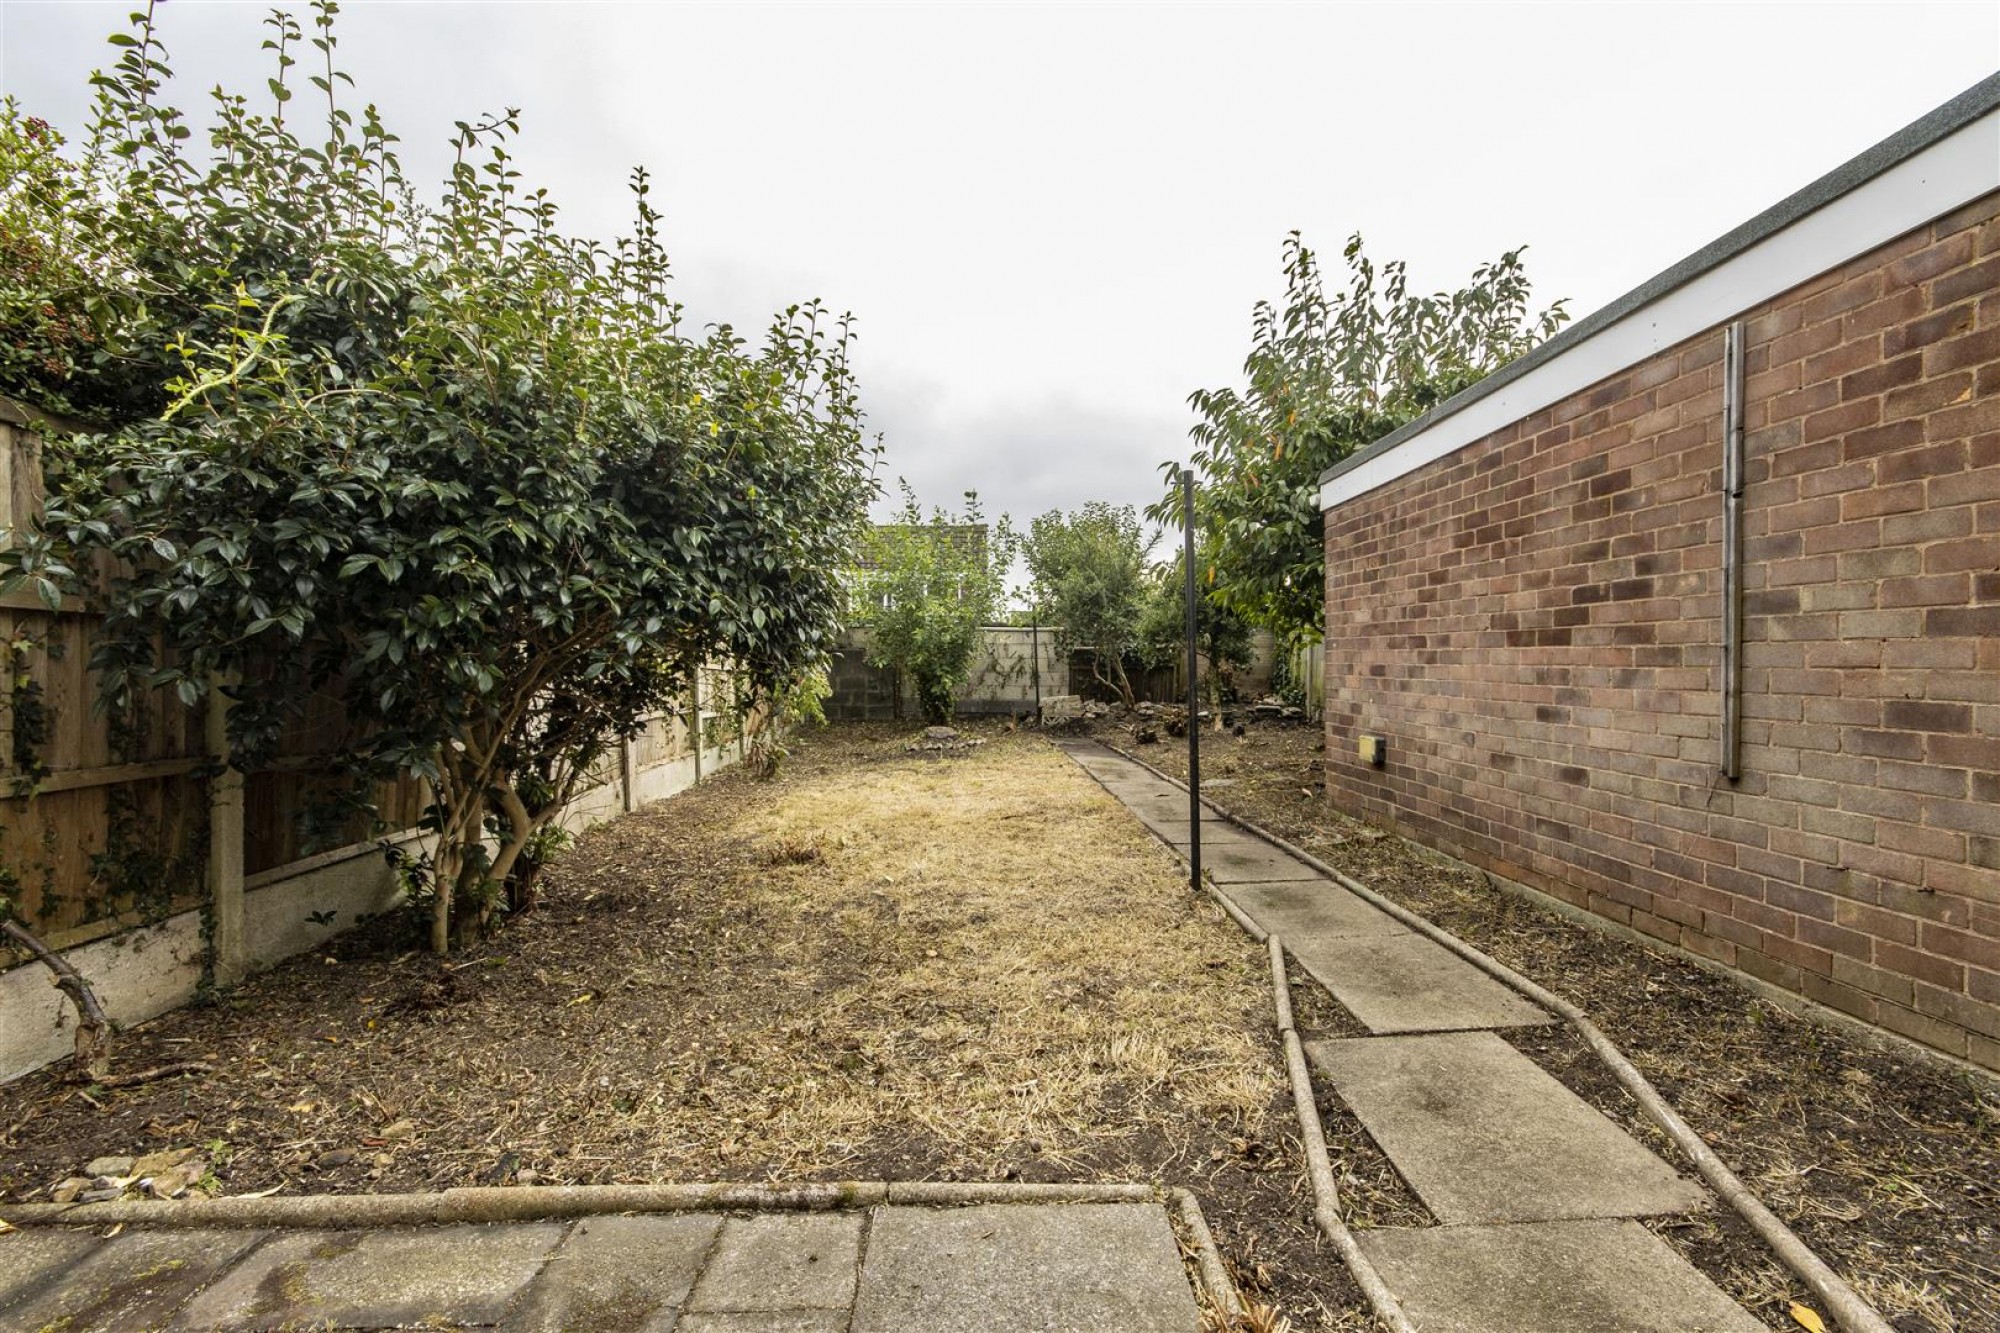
<point x="1374" y="750"/>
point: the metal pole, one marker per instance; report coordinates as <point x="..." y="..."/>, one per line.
<point x="1732" y="551"/>
<point x="1193" y="700"/>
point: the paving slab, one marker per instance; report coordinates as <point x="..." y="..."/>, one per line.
<point x="782" y="1261"/>
<point x="1552" y="1277"/>
<point x="30" y="1257"/>
<point x="135" y="1281"/>
<point x="764" y="1321"/>
<point x="618" y="1273"/>
<point x="451" y="1275"/>
<point x="1407" y="983"/>
<point x="1160" y="814"/>
<point x="1483" y="1134"/>
<point x="1011" y="1268"/>
<point x="1238" y="858"/>
<point x="1304" y="910"/>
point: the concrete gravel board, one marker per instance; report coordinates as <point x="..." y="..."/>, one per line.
<point x="782" y="1261"/>
<point x="1311" y="909"/>
<point x="1407" y="983"/>
<point x="1009" y="1268"/>
<point x="1483" y="1134"/>
<point x="465" y="1274"/>
<point x="618" y="1273"/>
<point x="28" y="1257"/>
<point x="134" y="1281"/>
<point x="1553" y="1277"/>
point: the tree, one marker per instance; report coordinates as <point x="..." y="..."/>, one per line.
<point x="1089" y="583"/>
<point x="926" y="588"/>
<point x="1222" y="636"/>
<point x="1325" y="376"/>
<point x="446" y="461"/>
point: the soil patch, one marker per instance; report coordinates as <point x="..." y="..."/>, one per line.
<point x="1886" y="1163"/>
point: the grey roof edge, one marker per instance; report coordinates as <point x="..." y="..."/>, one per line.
<point x="1946" y="120"/>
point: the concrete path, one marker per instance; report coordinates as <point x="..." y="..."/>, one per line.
<point x="1480" y="1132"/>
<point x="1007" y="1268"/>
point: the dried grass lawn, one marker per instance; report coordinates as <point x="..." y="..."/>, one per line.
<point x="975" y="966"/>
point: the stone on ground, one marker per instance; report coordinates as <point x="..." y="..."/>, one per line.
<point x="613" y="1274"/>
<point x="136" y="1280"/>
<point x="1407" y="983"/>
<point x="1003" y="1268"/>
<point x="1482" y="1134"/>
<point x="1553" y="1277"/>
<point x="377" y="1279"/>
<point x="782" y="1261"/>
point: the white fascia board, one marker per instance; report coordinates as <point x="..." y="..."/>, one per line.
<point x="1949" y="174"/>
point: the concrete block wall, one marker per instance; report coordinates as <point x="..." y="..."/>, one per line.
<point x="1533" y="621"/>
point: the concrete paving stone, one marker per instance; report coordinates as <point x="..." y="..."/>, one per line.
<point x="765" y="1321"/>
<point x="1407" y="983"/>
<point x="1553" y="1277"/>
<point x="135" y="1281"/>
<point x="1311" y="909"/>
<point x="1136" y="787"/>
<point x="1160" y="813"/>
<point x="1024" y="1268"/>
<point x="1483" y="1134"/>
<point x="782" y="1261"/>
<point x="29" y="1257"/>
<point x="457" y="1275"/>
<point x="618" y="1273"/>
<point x="1234" y="857"/>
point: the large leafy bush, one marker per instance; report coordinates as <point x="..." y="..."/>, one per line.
<point x="465" y="470"/>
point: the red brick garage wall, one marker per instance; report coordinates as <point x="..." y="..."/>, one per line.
<point x="1533" y="623"/>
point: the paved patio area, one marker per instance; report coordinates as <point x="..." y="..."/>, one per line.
<point x="995" y="1268"/>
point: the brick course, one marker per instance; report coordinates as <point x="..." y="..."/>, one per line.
<point x="1533" y="622"/>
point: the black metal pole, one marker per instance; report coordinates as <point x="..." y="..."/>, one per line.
<point x="1193" y="699"/>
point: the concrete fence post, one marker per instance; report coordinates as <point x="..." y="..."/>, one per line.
<point x="225" y="843"/>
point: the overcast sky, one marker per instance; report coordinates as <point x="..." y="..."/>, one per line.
<point x="1052" y="220"/>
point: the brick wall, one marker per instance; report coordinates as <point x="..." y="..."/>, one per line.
<point x="1533" y="622"/>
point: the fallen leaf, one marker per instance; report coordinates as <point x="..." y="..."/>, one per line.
<point x="5" y="1226"/>
<point x="1808" y="1318"/>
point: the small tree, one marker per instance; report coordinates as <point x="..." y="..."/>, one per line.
<point x="926" y="588"/>
<point x="1222" y="636"/>
<point x="1327" y="375"/>
<point x="1090" y="584"/>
